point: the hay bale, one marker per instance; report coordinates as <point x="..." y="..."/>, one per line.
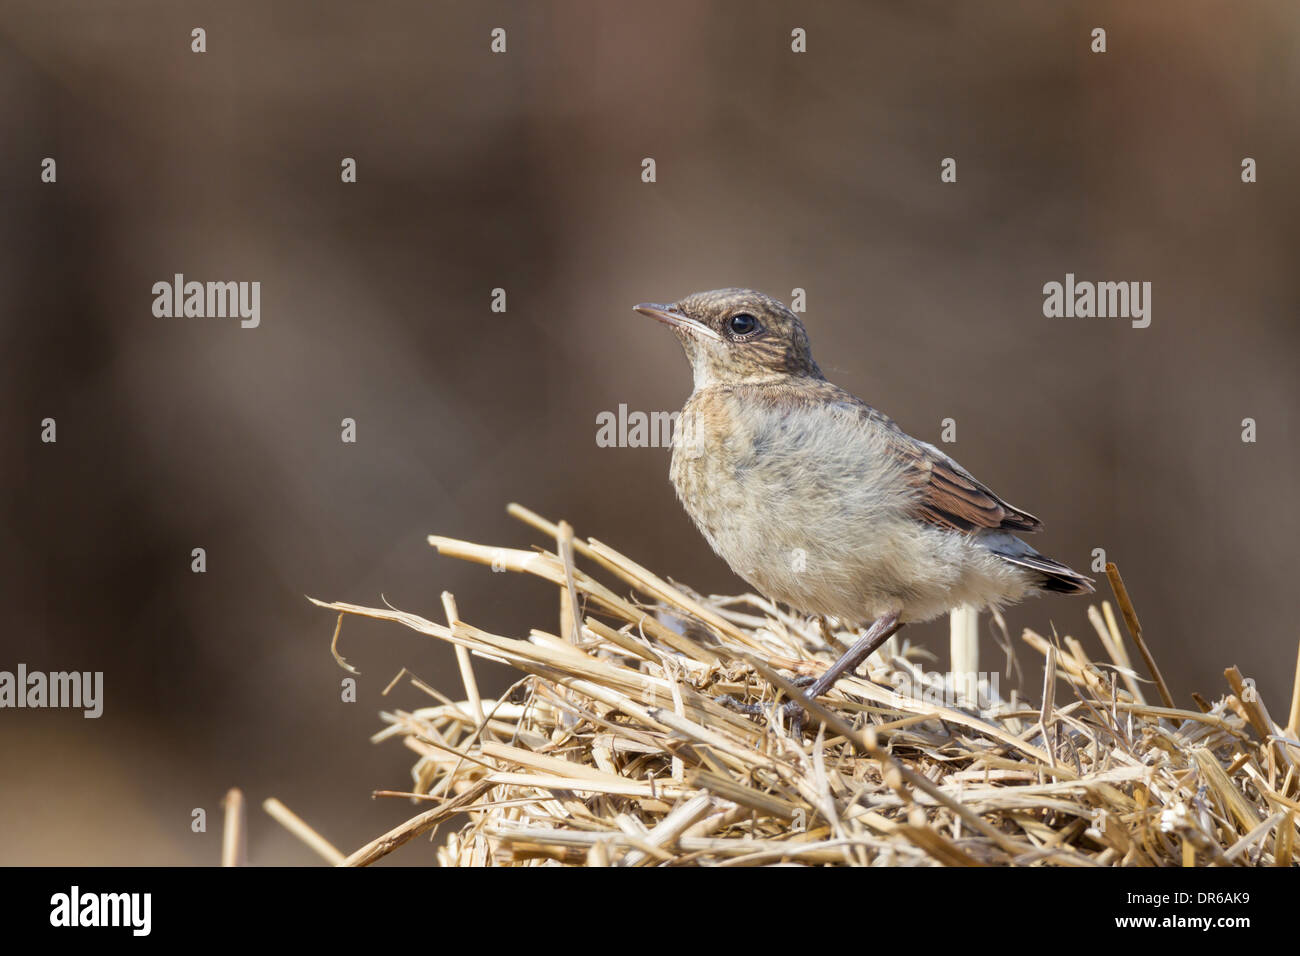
<point x="614" y="749"/>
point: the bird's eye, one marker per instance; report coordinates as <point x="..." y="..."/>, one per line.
<point x="742" y="323"/>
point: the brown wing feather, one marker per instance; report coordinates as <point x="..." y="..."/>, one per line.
<point x="948" y="495"/>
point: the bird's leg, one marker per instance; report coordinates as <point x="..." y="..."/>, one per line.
<point x="882" y="630"/>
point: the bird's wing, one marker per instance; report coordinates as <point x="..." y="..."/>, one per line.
<point x="947" y="494"/>
<point x="951" y="497"/>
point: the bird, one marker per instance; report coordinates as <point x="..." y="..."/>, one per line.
<point x="823" y="503"/>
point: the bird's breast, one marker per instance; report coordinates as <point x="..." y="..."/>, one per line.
<point x="799" y="502"/>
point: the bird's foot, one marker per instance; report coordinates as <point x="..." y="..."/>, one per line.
<point x="793" y="710"/>
<point x="877" y="634"/>
<point x="740" y="706"/>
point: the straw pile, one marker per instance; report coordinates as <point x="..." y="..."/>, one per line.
<point x="613" y="749"/>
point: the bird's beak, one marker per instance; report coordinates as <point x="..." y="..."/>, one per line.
<point x="678" y="321"/>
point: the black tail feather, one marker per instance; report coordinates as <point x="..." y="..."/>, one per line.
<point x="1052" y="575"/>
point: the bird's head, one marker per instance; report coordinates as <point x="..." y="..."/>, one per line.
<point x="738" y="336"/>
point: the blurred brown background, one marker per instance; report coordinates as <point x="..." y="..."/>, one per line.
<point x="522" y="171"/>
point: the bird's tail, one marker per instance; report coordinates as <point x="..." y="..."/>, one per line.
<point x="1052" y="575"/>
